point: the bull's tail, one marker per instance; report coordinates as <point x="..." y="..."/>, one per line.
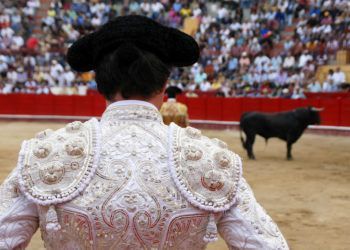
<point x="242" y="139"/>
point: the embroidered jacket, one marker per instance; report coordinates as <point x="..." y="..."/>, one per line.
<point x="131" y="182"/>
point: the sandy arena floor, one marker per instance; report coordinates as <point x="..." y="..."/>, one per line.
<point x="308" y="197"/>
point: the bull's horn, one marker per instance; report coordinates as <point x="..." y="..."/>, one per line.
<point x="317" y="109"/>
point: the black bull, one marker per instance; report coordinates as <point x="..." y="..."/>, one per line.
<point x="288" y="126"/>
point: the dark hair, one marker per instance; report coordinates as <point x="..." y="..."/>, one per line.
<point x="131" y="71"/>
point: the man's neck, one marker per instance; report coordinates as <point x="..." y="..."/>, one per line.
<point x="156" y="100"/>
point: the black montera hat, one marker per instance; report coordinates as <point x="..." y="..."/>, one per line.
<point x="172" y="46"/>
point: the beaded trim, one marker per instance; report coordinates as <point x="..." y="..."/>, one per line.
<point x="132" y="112"/>
<point x="174" y="158"/>
<point x="58" y="196"/>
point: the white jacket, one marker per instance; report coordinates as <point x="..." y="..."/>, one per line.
<point x="131" y="182"/>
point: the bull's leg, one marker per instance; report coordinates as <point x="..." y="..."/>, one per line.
<point x="249" y="145"/>
<point x="289" y="151"/>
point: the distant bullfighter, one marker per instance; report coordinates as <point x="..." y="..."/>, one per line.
<point x="287" y="126"/>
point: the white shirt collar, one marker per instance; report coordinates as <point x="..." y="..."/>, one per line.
<point x="132" y="102"/>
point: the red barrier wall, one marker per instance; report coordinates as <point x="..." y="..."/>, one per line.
<point x="336" y="110"/>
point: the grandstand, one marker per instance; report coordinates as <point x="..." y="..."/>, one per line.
<point x="256" y="55"/>
<point x="267" y="49"/>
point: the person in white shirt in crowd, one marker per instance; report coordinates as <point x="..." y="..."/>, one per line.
<point x="69" y="76"/>
<point x="5" y="58"/>
<point x="326" y="29"/>
<point x="82" y="88"/>
<point x="43" y="89"/>
<point x="195" y="69"/>
<point x="254" y="17"/>
<point x="29" y="11"/>
<point x="222" y="13"/>
<point x="248" y="77"/>
<point x="298" y="93"/>
<point x="272" y="75"/>
<point x="257" y="77"/>
<point x="282" y="5"/>
<point x="301" y="29"/>
<point x="264" y="76"/>
<point x="134" y="7"/>
<point x="7" y="32"/>
<point x="246" y="29"/>
<point x="261" y="59"/>
<point x="332" y="46"/>
<point x="289" y="61"/>
<point x="56" y="70"/>
<point x="191" y="86"/>
<point x="329" y="86"/>
<point x="200" y="77"/>
<point x="96" y="21"/>
<point x="60" y="80"/>
<point x="276" y="62"/>
<point x="35" y="4"/>
<point x="94" y="8"/>
<point x="321" y="59"/>
<point x="304" y="58"/>
<point x="270" y="15"/>
<point x="205" y="86"/>
<point x="145" y="7"/>
<point x="197" y="12"/>
<point x="17" y="42"/>
<point x="314" y="86"/>
<point x="269" y="66"/>
<point x="71" y="33"/>
<point x="235" y="26"/>
<point x="31" y="86"/>
<point x="281" y="78"/>
<point x="22" y="76"/>
<point x="11" y="76"/>
<point x="338" y="77"/>
<point x="7" y="89"/>
<point x="254" y="46"/>
<point x="156" y="8"/>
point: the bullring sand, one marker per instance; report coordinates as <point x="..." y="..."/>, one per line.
<point x="308" y="197"/>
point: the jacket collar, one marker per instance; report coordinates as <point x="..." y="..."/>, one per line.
<point x="133" y="110"/>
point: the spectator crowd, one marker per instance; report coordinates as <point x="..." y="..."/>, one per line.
<point x="268" y="48"/>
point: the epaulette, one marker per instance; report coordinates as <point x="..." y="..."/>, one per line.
<point x="56" y="166"/>
<point x="203" y="169"/>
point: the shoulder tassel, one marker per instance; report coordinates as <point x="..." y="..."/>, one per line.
<point x="211" y="233"/>
<point x="52" y="224"/>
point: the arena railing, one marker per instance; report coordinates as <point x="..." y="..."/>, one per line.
<point x="211" y="109"/>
